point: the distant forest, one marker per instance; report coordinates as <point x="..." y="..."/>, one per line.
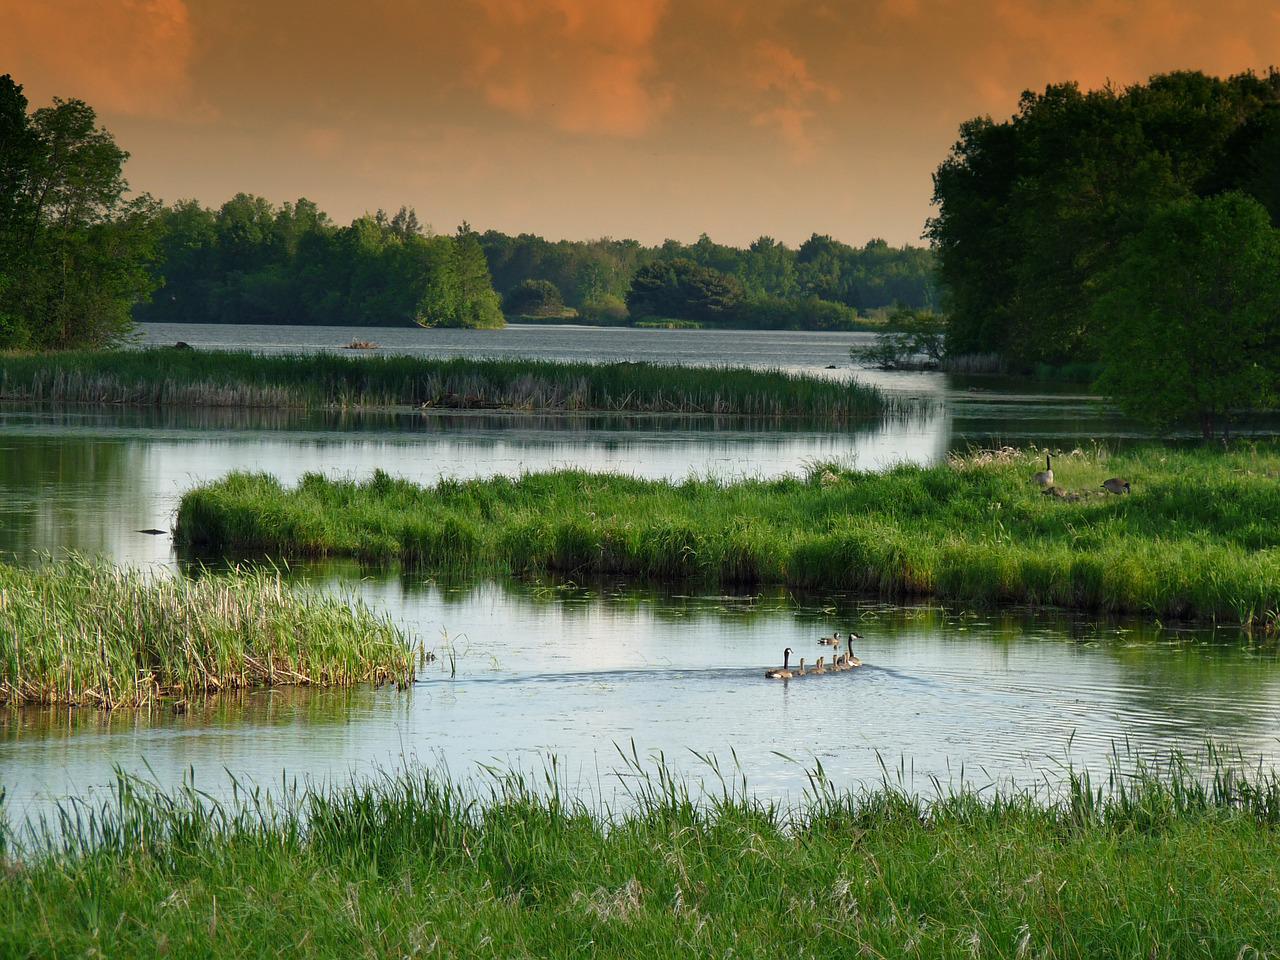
<point x="249" y="261"/>
<point x="823" y="283"/>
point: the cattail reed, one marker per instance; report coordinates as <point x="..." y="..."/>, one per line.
<point x="87" y="633"/>
<point x="162" y="377"/>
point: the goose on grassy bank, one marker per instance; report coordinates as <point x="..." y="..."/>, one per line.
<point x="1115" y="485"/>
<point x="1045" y="477"/>
<point x="785" y="672"/>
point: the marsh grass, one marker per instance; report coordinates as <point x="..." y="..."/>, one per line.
<point x="1199" y="537"/>
<point x="83" y="632"/>
<point x="242" y="379"/>
<point x="1157" y="862"/>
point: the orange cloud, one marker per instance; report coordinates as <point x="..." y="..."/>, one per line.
<point x="783" y="77"/>
<point x="129" y="57"/>
<point x="587" y="66"/>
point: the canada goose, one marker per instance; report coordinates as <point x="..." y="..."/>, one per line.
<point x="785" y="672"/>
<point x="1115" y="485"/>
<point x="818" y="667"/>
<point x="851" y="660"/>
<point x="800" y="672"/>
<point x="1045" y="476"/>
<point x="831" y="641"/>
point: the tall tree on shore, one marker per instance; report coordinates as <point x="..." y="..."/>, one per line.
<point x="1032" y="211"/>
<point x="1191" y="315"/>
<point x="75" y="250"/>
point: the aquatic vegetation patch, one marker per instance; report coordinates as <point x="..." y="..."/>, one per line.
<point x="83" y="632"/>
<point x="166" y="376"/>
<point x="1155" y="863"/>
<point x="1198" y="536"/>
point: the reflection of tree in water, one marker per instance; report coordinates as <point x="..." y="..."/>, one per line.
<point x="52" y="493"/>
<point x="276" y="707"/>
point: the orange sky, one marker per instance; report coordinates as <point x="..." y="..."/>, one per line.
<point x="583" y="118"/>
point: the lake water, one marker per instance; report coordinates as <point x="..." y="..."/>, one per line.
<point x="571" y="671"/>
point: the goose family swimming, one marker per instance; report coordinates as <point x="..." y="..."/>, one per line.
<point x="840" y="662"/>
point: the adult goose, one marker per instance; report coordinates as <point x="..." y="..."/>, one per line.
<point x="1115" y="485"/>
<point x="851" y="660"/>
<point x="1045" y="477"/>
<point x="785" y="672"/>
<point x="831" y="641"/>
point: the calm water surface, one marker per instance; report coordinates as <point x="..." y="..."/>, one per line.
<point x="560" y="670"/>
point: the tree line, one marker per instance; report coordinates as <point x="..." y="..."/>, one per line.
<point x="81" y="259"/>
<point x="1134" y="228"/>
<point x="823" y="283"/>
<point x="249" y="261"/>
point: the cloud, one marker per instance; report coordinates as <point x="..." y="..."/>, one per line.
<point x="585" y="66"/>
<point x="129" y="57"/>
<point x="783" y="79"/>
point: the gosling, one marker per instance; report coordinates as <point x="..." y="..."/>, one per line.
<point x="1045" y="477"/>
<point x="1115" y="485"/>
<point x="801" y="671"/>
<point x="785" y="672"/>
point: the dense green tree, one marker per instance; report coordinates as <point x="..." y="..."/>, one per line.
<point x="535" y="298"/>
<point x="595" y="275"/>
<point x="479" y="305"/>
<point x="250" y="262"/>
<point x="1191" y="314"/>
<point x="73" y="250"/>
<point x="1033" y="210"/>
<point x="683" y="290"/>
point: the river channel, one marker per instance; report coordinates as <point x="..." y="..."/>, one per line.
<point x="578" y="671"/>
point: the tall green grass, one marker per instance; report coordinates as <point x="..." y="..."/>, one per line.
<point x="243" y="379"/>
<point x="84" y="632"/>
<point x="1161" y="864"/>
<point x="1199" y="537"/>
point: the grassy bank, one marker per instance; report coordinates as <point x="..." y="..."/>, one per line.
<point x="1198" y="537"/>
<point x="410" y="865"/>
<point x="83" y="632"/>
<point x="241" y="379"/>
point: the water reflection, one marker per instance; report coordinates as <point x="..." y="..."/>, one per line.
<point x="572" y="670"/>
<point x="91" y="478"/>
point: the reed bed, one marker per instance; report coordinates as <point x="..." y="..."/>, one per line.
<point x="1161" y="862"/>
<point x="1198" y="538"/>
<point x="82" y="632"/>
<point x="242" y="379"/>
